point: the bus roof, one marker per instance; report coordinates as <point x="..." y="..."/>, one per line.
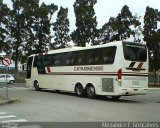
<point x="84" y="48"/>
<point x="114" y="43"/>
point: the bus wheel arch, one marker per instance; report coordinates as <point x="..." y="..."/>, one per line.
<point x="36" y="85"/>
<point x="116" y="97"/>
<point x="90" y="90"/>
<point x="79" y="89"/>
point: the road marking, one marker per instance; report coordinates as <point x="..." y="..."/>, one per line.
<point x="30" y="126"/>
<point x="15" y="88"/>
<point x="10" y="116"/>
<point x="2" y="113"/>
<point x="18" y="120"/>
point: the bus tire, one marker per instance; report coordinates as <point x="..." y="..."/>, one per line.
<point x="79" y="90"/>
<point x="36" y="86"/>
<point x="90" y="90"/>
<point x="116" y="97"/>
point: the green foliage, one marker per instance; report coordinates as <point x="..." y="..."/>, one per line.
<point x="152" y="36"/>
<point x="119" y="28"/>
<point x="85" y="22"/>
<point x="4" y="19"/>
<point x="137" y="31"/>
<point x="124" y="21"/>
<point x="30" y="27"/>
<point x="61" y="29"/>
<point x="109" y="30"/>
<point x="43" y="16"/>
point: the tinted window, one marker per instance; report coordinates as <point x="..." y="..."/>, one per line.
<point x="84" y="57"/>
<point x="29" y="66"/>
<point x="57" y="59"/>
<point x="134" y="51"/>
<point x="108" y="55"/>
<point x="38" y="60"/>
<point x="79" y="58"/>
<point x="67" y="59"/>
<point x="92" y="57"/>
<point x="47" y="60"/>
<point x="35" y="61"/>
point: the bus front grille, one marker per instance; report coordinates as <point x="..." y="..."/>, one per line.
<point x="107" y="85"/>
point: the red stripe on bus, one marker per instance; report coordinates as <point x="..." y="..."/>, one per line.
<point x="48" y="69"/>
<point x="140" y="65"/>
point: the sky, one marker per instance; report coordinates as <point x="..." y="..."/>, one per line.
<point x="104" y="8"/>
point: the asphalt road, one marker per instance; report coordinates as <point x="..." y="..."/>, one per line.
<point x="51" y="106"/>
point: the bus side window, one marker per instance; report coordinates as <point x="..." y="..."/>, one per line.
<point x="108" y="55"/>
<point x="52" y="61"/>
<point x="66" y="59"/>
<point x="79" y="58"/>
<point x="89" y="57"/>
<point x="96" y="56"/>
<point x="46" y="60"/>
<point x="57" y="61"/>
<point x="74" y="58"/>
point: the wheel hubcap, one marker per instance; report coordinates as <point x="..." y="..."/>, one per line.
<point x="91" y="91"/>
<point x="79" y="90"/>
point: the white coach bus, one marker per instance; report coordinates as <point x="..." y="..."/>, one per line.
<point x="115" y="69"/>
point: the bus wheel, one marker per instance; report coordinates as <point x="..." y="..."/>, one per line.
<point x="79" y="90"/>
<point x="116" y="97"/>
<point x="90" y="91"/>
<point x="36" y="86"/>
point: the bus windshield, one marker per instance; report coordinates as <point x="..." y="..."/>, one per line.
<point x="134" y="51"/>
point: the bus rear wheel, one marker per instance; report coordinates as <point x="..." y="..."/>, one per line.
<point x="36" y="86"/>
<point x="90" y="91"/>
<point x="79" y="90"/>
<point x="116" y="97"/>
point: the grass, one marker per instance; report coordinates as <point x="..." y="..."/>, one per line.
<point x="4" y="101"/>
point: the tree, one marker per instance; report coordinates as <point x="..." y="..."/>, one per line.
<point x="109" y="31"/>
<point x="42" y="26"/>
<point x="4" y="19"/>
<point x="29" y="10"/>
<point x="152" y="36"/>
<point x="30" y="27"/>
<point x="17" y="28"/>
<point x="119" y="28"/>
<point x="61" y="29"/>
<point x="86" y="22"/>
<point x="124" y="21"/>
<point x="137" y="30"/>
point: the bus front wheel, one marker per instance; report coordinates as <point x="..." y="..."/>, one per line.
<point x="36" y="86"/>
<point x="79" y="90"/>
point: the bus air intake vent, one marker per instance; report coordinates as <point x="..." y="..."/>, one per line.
<point x="107" y="85"/>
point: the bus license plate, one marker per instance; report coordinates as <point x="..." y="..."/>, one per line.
<point x="135" y="83"/>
